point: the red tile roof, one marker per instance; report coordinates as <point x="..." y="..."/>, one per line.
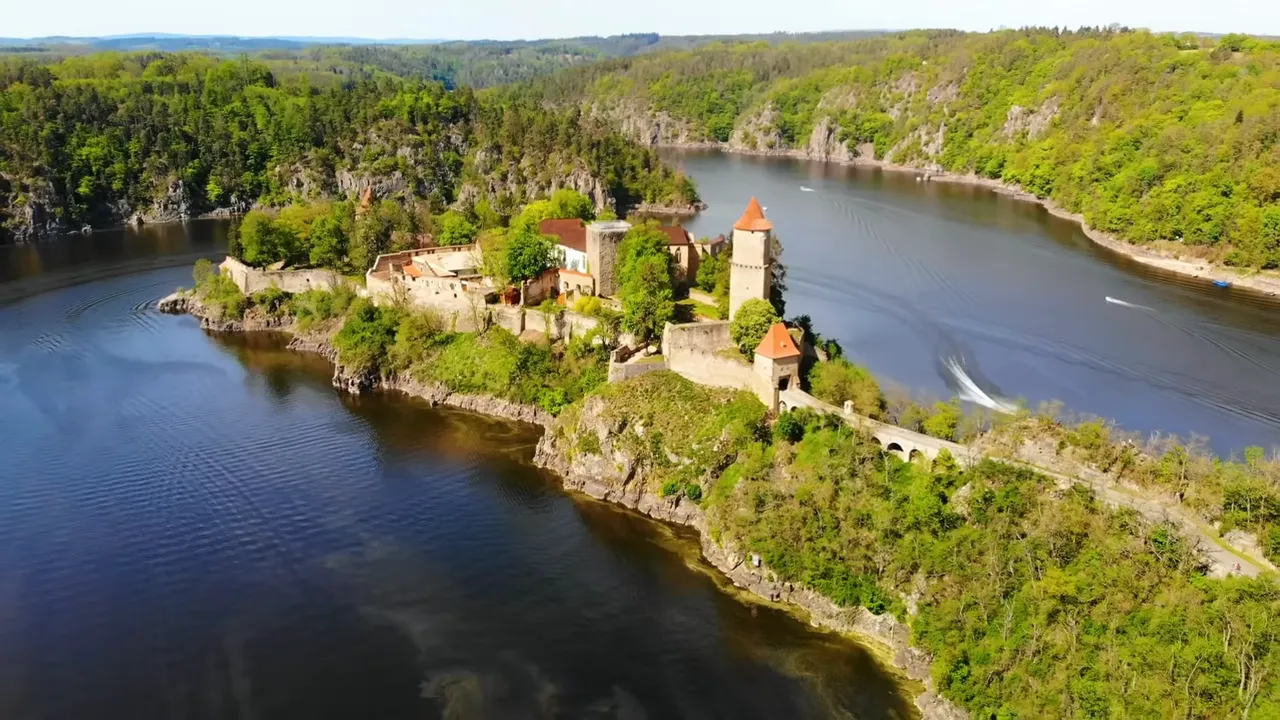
<point x="753" y="218"/>
<point x="572" y="233"/>
<point x="412" y="270"/>
<point x="676" y="235"/>
<point x="777" y="344"/>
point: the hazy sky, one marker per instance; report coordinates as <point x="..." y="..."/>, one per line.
<point x="509" y="19"/>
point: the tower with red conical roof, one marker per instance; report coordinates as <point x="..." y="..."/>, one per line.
<point x="750" y="269"/>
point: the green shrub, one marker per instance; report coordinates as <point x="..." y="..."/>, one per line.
<point x="587" y="305"/>
<point x="710" y="270"/>
<point x="588" y="443"/>
<point x="369" y="331"/>
<point x="838" y="380"/>
<point x="453" y="228"/>
<point x="945" y="464"/>
<point x="553" y="400"/>
<point x="203" y="272"/>
<point x="219" y="291"/>
<point x="315" y="306"/>
<point x="418" y="333"/>
<point x="943" y="421"/>
<point x="272" y="300"/>
<point x="693" y="491"/>
<point x="788" y="428"/>
<point x="751" y="323"/>
<point x="670" y="488"/>
<point x="1271" y="543"/>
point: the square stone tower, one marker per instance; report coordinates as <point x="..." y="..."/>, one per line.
<point x="603" y="239"/>
<point x="777" y="365"/>
<point x="751" y="268"/>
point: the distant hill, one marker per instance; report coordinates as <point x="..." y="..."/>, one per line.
<point x="177" y="43"/>
<point x="610" y="46"/>
<point x="456" y="63"/>
<point x="1162" y="139"/>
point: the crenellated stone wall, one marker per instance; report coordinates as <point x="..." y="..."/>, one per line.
<point x="251" y="280"/>
<point x="704" y="353"/>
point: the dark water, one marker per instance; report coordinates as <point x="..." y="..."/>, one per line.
<point x="193" y="527"/>
<point x="907" y="275"/>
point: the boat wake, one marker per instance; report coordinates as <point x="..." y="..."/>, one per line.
<point x="1122" y="303"/>
<point x="970" y="391"/>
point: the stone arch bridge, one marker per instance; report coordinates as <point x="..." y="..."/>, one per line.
<point x="904" y="443"/>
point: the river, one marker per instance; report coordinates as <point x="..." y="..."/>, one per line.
<point x="201" y="527"/>
<point x="928" y="283"/>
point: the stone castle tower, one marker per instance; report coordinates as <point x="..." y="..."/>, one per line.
<point x="603" y="239"/>
<point x="751" y="267"/>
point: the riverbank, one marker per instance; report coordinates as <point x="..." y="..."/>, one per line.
<point x="1264" y="282"/>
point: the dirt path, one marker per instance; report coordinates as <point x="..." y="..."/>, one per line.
<point x="1223" y="559"/>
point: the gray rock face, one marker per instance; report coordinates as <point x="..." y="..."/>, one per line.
<point x="353" y="184"/>
<point x="173" y="205"/>
<point x="32" y="218"/>
<point x="639" y="122"/>
<point x="825" y="144"/>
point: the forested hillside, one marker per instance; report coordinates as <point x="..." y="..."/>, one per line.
<point x="106" y="138"/>
<point x="1151" y="137"/>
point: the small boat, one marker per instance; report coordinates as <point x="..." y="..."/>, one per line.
<point x="805" y="189"/>
<point x="1222" y="283"/>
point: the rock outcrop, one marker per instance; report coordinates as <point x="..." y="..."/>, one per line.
<point x="648" y="126"/>
<point x="211" y="318"/>
<point x="172" y="205"/>
<point x="758" y="133"/>
<point x="26" y="209"/>
<point x="1023" y="120"/>
<point x="825" y="143"/>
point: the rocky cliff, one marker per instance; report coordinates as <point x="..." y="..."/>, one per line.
<point x="588" y="451"/>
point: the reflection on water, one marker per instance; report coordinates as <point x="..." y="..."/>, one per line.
<point x="200" y="527"/>
<point x="908" y="274"/>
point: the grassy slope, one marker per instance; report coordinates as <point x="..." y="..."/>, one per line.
<point x="1034" y="602"/>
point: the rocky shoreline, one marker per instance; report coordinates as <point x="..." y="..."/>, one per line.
<point x="354" y="382"/>
<point x="667" y="211"/>
<point x="611" y="476"/>
<point x="1266" y="283"/>
<point x="884" y="630"/>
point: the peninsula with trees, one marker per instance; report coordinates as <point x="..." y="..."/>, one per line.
<point x="1015" y="566"/>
